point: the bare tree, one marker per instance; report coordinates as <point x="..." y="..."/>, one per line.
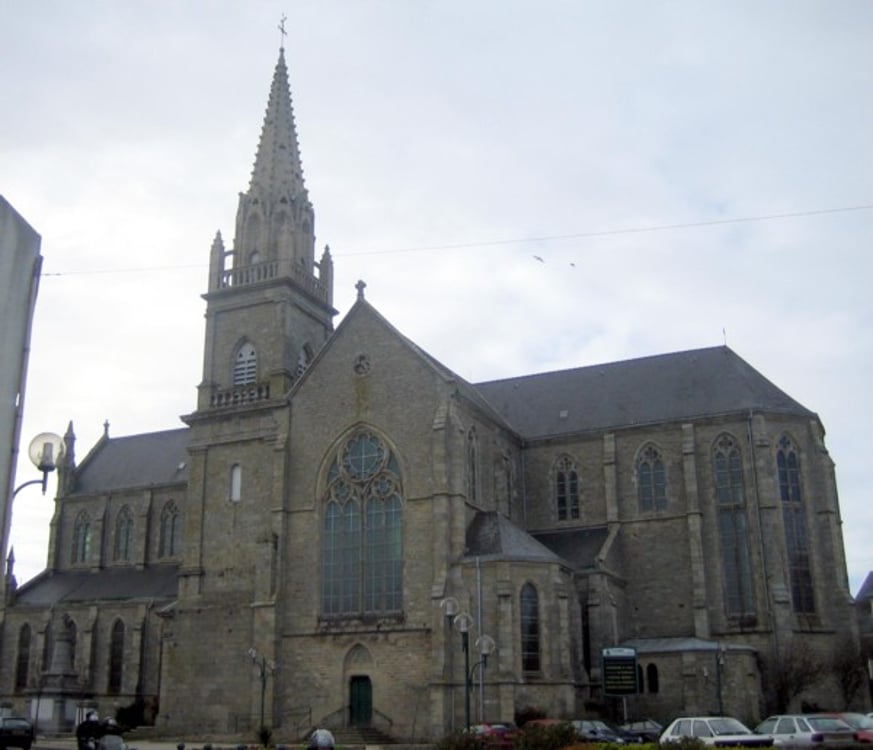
<point x="847" y="665"/>
<point x="790" y="671"/>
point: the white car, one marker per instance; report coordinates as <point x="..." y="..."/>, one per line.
<point x="807" y="729"/>
<point x="720" y="731"/>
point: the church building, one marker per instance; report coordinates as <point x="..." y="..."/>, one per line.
<point x="345" y="533"/>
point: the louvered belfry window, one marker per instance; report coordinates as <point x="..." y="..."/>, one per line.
<point x="245" y="365"/>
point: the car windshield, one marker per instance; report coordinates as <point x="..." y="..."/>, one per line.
<point x="727" y="726"/>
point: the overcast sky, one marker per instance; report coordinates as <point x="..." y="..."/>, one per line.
<point x="689" y="172"/>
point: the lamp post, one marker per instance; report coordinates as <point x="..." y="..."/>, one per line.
<point x="45" y="451"/>
<point x="265" y="669"/>
<point x="463" y="622"/>
<point x="484" y="644"/>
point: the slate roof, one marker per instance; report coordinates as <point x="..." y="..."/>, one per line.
<point x="579" y="547"/>
<point x="650" y="390"/>
<point x="491" y="535"/>
<point x="117" y="583"/>
<point x="866" y="590"/>
<point x="150" y="459"/>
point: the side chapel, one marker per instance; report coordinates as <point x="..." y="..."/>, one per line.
<point x="341" y="513"/>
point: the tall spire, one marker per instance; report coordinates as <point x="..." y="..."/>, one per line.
<point x="275" y="221"/>
<point x="277" y="170"/>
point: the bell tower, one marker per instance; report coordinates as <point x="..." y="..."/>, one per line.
<point x="269" y="302"/>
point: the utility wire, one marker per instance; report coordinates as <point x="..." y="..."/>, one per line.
<point x="522" y="240"/>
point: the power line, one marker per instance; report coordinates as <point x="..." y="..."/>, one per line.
<point x="613" y="232"/>
<point x="520" y="240"/>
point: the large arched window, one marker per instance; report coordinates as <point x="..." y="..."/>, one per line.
<point x="116" y="658"/>
<point x="362" y="564"/>
<point x="245" y="364"/>
<point x="81" y="538"/>
<point x="22" y="663"/>
<point x="794" y="520"/>
<point x="566" y="486"/>
<point x="651" y="480"/>
<point x="530" y="628"/>
<point x="123" y="535"/>
<point x="733" y="530"/>
<point x="169" y="538"/>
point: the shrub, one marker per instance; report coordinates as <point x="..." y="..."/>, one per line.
<point x="460" y="741"/>
<point x="550" y="737"/>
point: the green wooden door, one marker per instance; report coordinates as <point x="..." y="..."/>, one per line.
<point x="360" y="701"/>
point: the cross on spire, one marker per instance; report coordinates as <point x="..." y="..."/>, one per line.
<point x="282" y="31"/>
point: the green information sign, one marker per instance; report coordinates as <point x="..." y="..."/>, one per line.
<point x="619" y="671"/>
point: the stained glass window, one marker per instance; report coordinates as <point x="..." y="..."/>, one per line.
<point x="362" y="561"/>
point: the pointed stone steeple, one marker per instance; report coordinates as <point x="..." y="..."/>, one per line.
<point x="277" y="169"/>
<point x="275" y="220"/>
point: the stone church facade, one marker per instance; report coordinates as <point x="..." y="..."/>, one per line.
<point x="339" y="507"/>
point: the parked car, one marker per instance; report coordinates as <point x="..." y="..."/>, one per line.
<point x="648" y="730"/>
<point x="863" y="725"/>
<point x="807" y="729"/>
<point x="16" y="731"/>
<point x="721" y="731"/>
<point x="499" y="735"/>
<point x="595" y="730"/>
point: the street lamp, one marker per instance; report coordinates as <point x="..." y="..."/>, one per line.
<point x="265" y="668"/>
<point x="463" y="622"/>
<point x="485" y="645"/>
<point x="46" y="451"/>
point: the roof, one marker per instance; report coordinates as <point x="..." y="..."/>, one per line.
<point x="153" y="458"/>
<point x="117" y="583"/>
<point x="579" y="547"/>
<point x="491" y="535"/>
<point x="866" y="590"/>
<point x="650" y="390"/>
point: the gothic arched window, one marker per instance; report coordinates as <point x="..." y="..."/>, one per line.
<point x="472" y="466"/>
<point x="81" y="538"/>
<point x="22" y="663"/>
<point x="362" y="564"/>
<point x="652" y="678"/>
<point x="794" y="520"/>
<point x="651" y="480"/>
<point x="245" y="364"/>
<point x="566" y="489"/>
<point x="169" y="538"/>
<point x="530" y="628"/>
<point x="116" y="658"/>
<point x="733" y="530"/>
<point x="123" y="534"/>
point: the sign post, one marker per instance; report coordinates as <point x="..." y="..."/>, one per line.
<point x="619" y="670"/>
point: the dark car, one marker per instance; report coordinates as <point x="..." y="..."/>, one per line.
<point x="16" y="731"/>
<point x="595" y="730"/>
<point x="647" y="730"/>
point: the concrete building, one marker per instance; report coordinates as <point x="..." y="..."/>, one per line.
<point x="20" y="263"/>
<point x="340" y="506"/>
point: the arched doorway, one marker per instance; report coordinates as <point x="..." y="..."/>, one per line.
<point x="360" y="701"/>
